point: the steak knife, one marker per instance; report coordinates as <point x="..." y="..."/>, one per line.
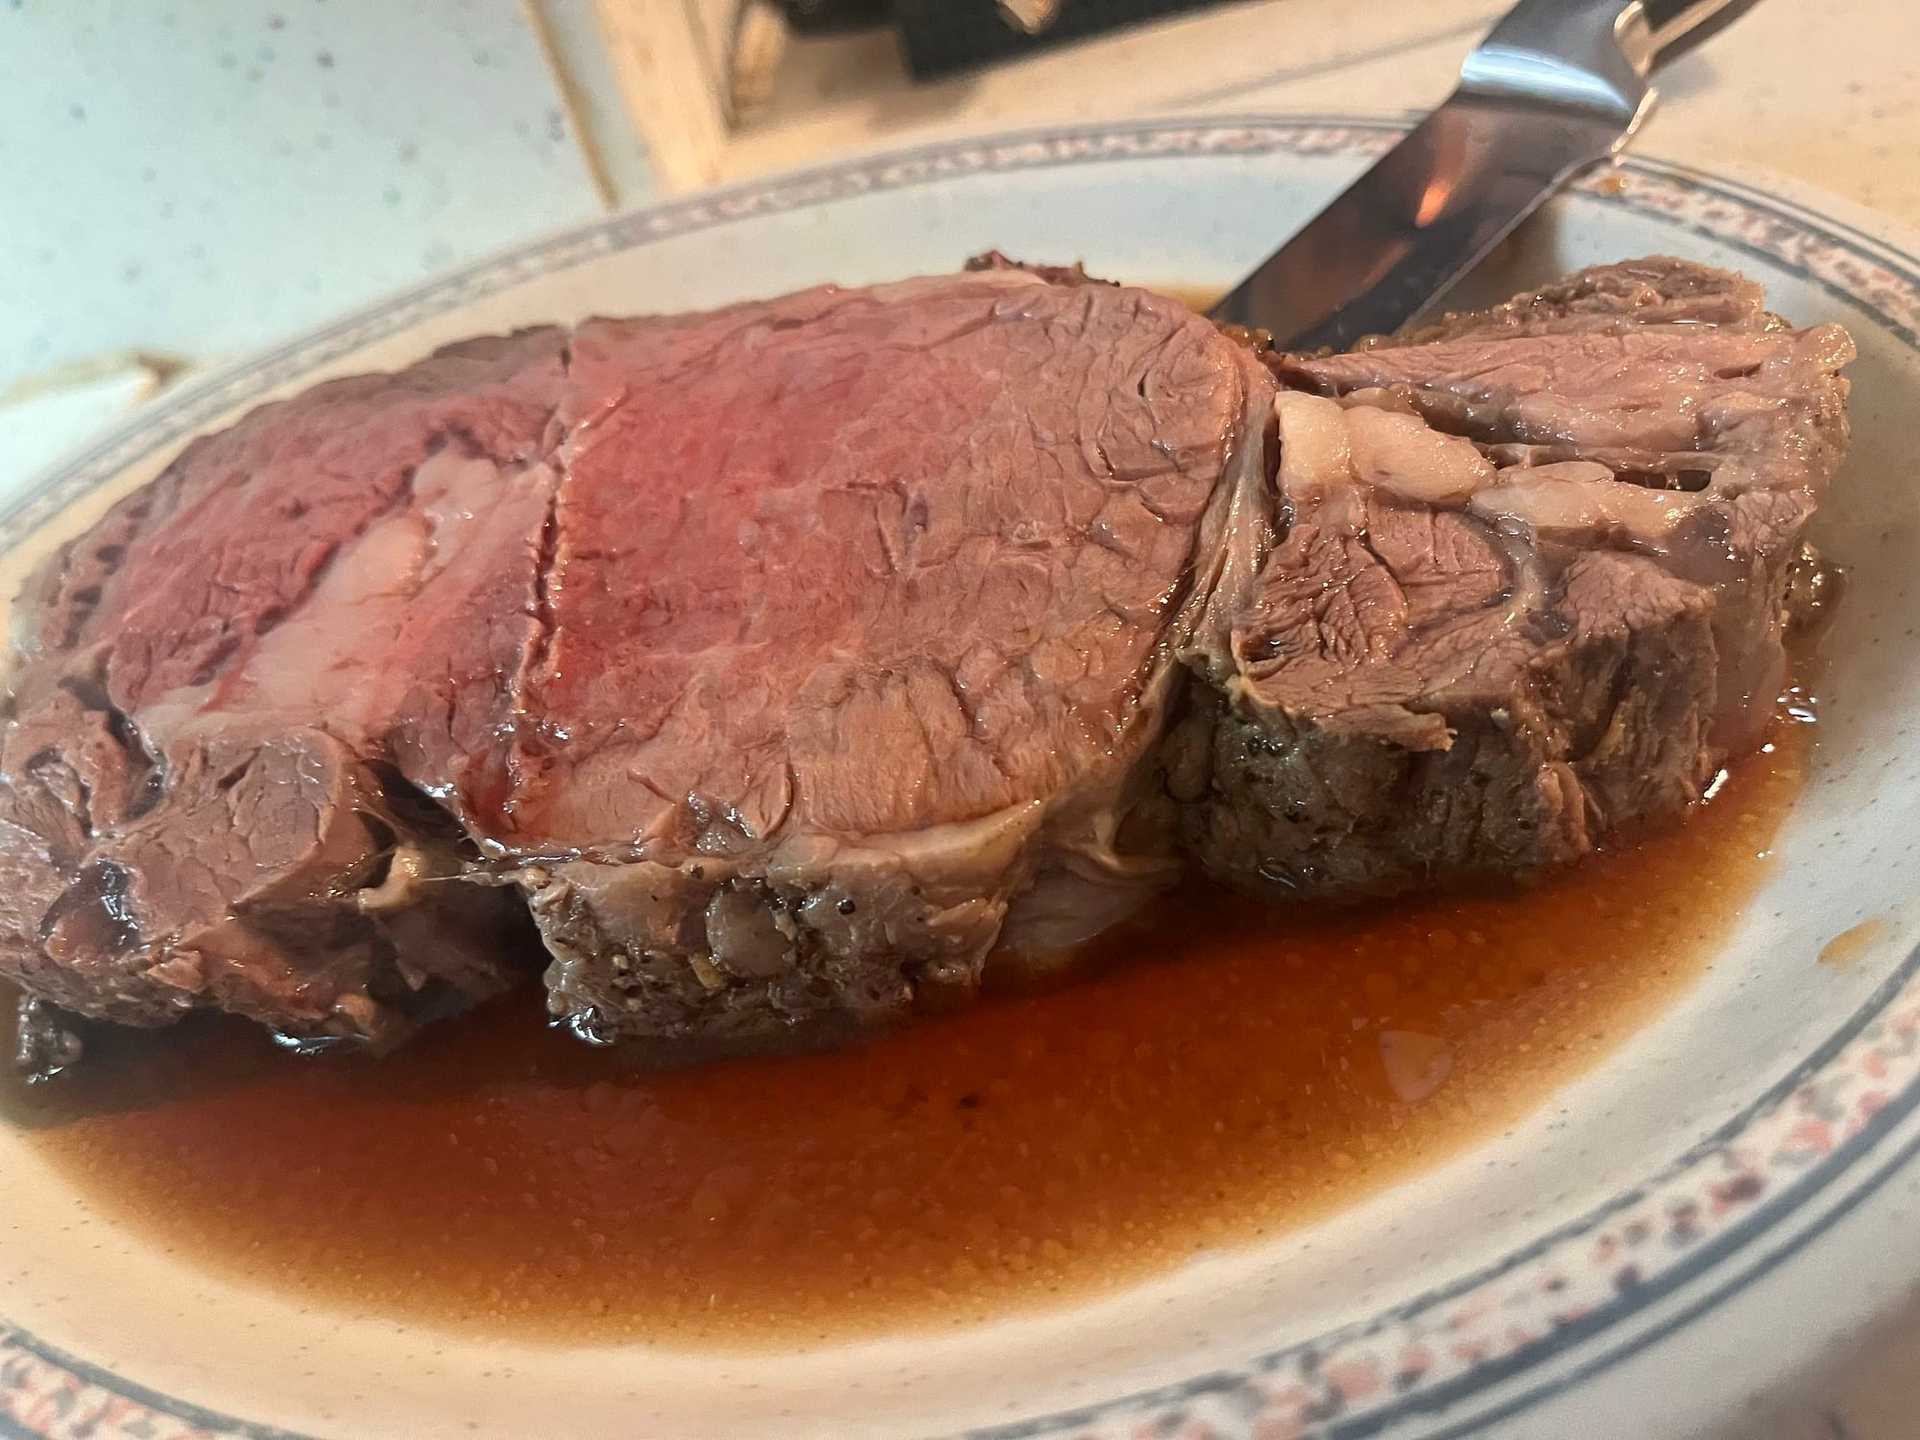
<point x="1557" y="87"/>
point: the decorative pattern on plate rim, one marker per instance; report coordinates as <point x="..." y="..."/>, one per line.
<point x="1420" y="1358"/>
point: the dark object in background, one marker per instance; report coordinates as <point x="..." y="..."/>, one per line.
<point x="938" y="37"/>
<point x="827" y="17"/>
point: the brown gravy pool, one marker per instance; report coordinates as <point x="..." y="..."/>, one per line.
<point x="1231" y="1070"/>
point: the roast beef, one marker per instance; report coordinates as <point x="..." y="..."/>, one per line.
<point x="781" y="664"/>
<point x="1531" y="589"/>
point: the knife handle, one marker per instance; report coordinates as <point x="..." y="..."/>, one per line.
<point x="1679" y="25"/>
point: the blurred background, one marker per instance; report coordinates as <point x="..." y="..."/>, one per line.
<point x="190" y="180"/>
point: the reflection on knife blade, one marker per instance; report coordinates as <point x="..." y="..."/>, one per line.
<point x="1556" y="87"/>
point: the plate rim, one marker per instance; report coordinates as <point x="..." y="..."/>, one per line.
<point x="1790" y="206"/>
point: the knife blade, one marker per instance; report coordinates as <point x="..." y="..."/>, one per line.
<point x="1558" y="86"/>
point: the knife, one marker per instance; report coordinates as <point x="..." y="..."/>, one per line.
<point x="1557" y="87"/>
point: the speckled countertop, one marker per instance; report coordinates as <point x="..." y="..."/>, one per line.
<point x="190" y="181"/>
<point x="196" y="178"/>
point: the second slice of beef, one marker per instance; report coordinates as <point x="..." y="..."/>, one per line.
<point x="1532" y="587"/>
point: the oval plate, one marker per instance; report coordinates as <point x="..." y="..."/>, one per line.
<point x="1623" y="1258"/>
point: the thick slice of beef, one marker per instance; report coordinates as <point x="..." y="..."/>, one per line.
<point x="1532" y="588"/>
<point x="781" y="660"/>
<point x="860" y="634"/>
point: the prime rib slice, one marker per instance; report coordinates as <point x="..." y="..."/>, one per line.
<point x="1532" y="586"/>
<point x="222" y="685"/>
<point x="781" y="662"/>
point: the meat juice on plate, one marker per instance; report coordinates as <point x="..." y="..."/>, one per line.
<point x="1228" y="1070"/>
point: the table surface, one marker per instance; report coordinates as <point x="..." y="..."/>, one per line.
<point x="302" y="170"/>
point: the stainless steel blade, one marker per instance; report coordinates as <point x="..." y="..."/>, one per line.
<point x="1557" y="87"/>
<point x="1421" y="218"/>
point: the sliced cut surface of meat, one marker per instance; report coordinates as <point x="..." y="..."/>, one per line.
<point x="778" y="661"/>
<point x="861" y="623"/>
<point x="1532" y="588"/>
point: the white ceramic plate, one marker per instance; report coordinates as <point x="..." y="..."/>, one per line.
<point x="1703" y="1214"/>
